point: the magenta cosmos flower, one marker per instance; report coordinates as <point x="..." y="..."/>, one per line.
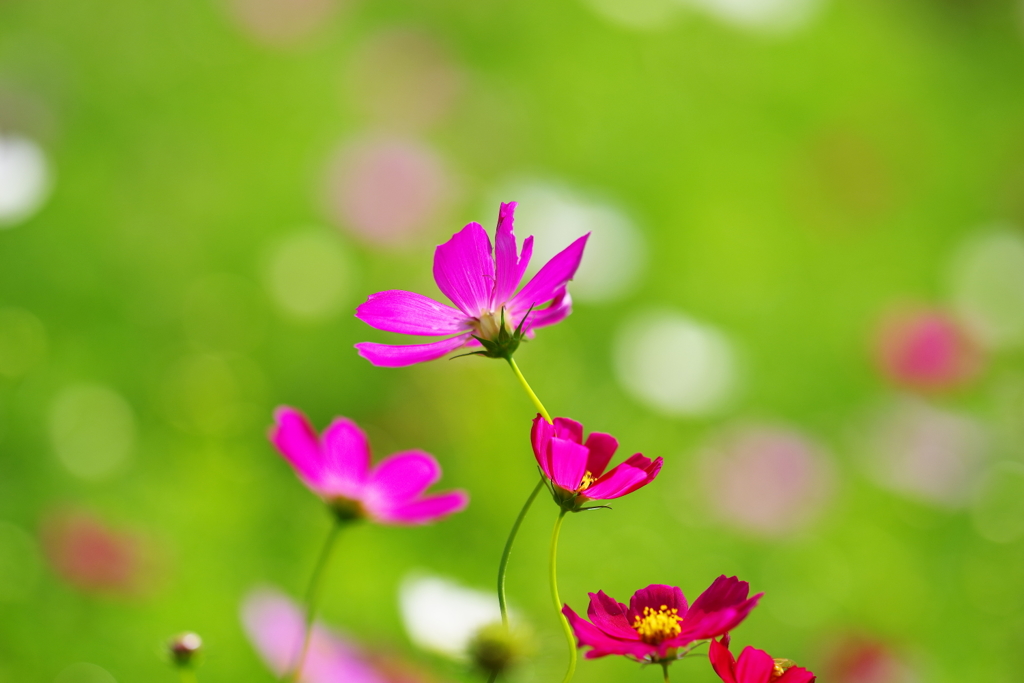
<point x="482" y="284"/>
<point x="658" y="626"/>
<point x="577" y="467"/>
<point x="336" y="466"/>
<point x="755" y="666"/>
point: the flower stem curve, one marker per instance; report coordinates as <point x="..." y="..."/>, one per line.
<point x="313" y="595"/>
<point x="503" y="565"/>
<point x="570" y="638"/>
<point x="529" y="391"/>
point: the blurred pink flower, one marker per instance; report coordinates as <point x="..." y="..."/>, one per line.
<point x="861" y="659"/>
<point x="658" y="623"/>
<point x="755" y="666"/>
<point x="481" y="282"/>
<point x="274" y="625"/>
<point x="89" y="555"/>
<point x="926" y="350"/>
<point x="765" y="479"/>
<point x="387" y="190"/>
<point x="577" y="468"/>
<point x="336" y="466"/>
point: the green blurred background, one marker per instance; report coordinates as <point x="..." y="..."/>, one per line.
<point x="804" y="292"/>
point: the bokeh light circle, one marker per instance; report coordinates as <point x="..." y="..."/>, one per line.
<point x="22" y="341"/>
<point x="761" y="15"/>
<point x="675" y="364"/>
<point x="19" y="563"/>
<point x="766" y="479"/>
<point x="443" y="616"/>
<point x="309" y="274"/>
<point x="24" y="179"/>
<point x="987" y="283"/>
<point x="556" y="216"/>
<point x="92" y="429"/>
<point x="998" y="510"/>
<point x="387" y="191"/>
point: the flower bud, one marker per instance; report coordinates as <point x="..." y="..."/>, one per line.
<point x="184" y="649"/>
<point x="495" y="649"/>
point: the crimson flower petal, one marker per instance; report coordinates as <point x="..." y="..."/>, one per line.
<point x="346" y="458"/>
<point x="568" y="429"/>
<point x="509" y="265"/>
<point x="754" y="666"/>
<point x="391" y="356"/>
<point x="625" y="478"/>
<point x="601" y="643"/>
<point x="656" y="596"/>
<point x="396" y="310"/>
<point x="568" y="463"/>
<point x="560" y="308"/>
<point x="552" y="277"/>
<point x="399" y="478"/>
<point x="610" y="616"/>
<point x="425" y="510"/>
<point x="722" y="662"/>
<point x="602" y="447"/>
<point x="796" y="674"/>
<point x="464" y="270"/>
<point x="540" y="436"/>
<point x="297" y="441"/>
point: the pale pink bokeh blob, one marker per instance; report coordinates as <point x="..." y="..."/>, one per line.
<point x="404" y="78"/>
<point x="281" y="22"/>
<point x="765" y="479"/>
<point x="386" y="191"/>
<point x="926" y="349"/>
<point x="924" y="451"/>
<point x="860" y="659"/>
<point x="90" y="555"/>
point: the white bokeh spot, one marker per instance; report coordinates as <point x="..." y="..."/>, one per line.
<point x="92" y="430"/>
<point x="24" y="179"/>
<point x="443" y="616"/>
<point x="308" y="275"/>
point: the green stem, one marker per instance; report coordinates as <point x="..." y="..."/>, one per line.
<point x="503" y="566"/>
<point x="664" y="666"/>
<point x="570" y="638"/>
<point x="312" y="596"/>
<point x="529" y="391"/>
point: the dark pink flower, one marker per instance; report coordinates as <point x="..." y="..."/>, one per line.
<point x="927" y="350"/>
<point x="658" y="625"/>
<point x="336" y="466"/>
<point x="755" y="666"/>
<point x="577" y="467"/>
<point x="482" y="284"/>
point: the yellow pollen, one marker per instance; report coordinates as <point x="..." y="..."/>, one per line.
<point x="781" y="665"/>
<point x="656" y="626"/>
<point x="588" y="481"/>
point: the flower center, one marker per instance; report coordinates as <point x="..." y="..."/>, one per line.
<point x="488" y="325"/>
<point x="781" y="665"/>
<point x="656" y="626"/>
<point x="588" y="481"/>
<point x="346" y="509"/>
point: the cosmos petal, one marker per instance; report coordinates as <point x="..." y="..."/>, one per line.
<point x="404" y="312"/>
<point x="464" y="270"/>
<point x="397" y="356"/>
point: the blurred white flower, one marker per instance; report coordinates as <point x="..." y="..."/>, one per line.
<point x="443" y="616"/>
<point x="24" y="179"/>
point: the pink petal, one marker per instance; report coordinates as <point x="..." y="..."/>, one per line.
<point x="399" y="478"/>
<point x="409" y="313"/>
<point x="509" y="265"/>
<point x="559" y="309"/>
<point x="610" y="616"/>
<point x="346" y="458"/>
<point x="797" y="674"/>
<point x="540" y="436"/>
<point x="464" y="270"/>
<point x="391" y="356"/>
<point x="568" y="463"/>
<point x="602" y="447"/>
<point x="297" y="441"/>
<point x="425" y="510"/>
<point x="548" y="282"/>
<point x="624" y="478"/>
<point x="754" y="666"/>
<point x="568" y="429"/>
<point x="722" y="662"/>
<point x="603" y="645"/>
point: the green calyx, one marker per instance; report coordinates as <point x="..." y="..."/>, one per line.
<point x="503" y="343"/>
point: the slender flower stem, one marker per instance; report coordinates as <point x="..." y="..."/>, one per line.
<point x="313" y="595"/>
<point x="503" y="566"/>
<point x="570" y="638"/>
<point x="664" y="666"/>
<point x="529" y="391"/>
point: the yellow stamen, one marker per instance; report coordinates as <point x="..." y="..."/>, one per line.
<point x="588" y="481"/>
<point x="781" y="665"/>
<point x="657" y="626"/>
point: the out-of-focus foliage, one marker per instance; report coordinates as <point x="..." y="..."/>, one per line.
<point x="805" y="291"/>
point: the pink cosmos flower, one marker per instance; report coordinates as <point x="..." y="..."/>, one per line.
<point x="275" y="627"/>
<point x="658" y="626"/>
<point x="482" y="284"/>
<point x="928" y="350"/>
<point x="577" y="468"/>
<point x="336" y="466"/>
<point x="755" y="666"/>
